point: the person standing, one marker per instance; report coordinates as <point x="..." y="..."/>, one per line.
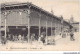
<point x="13" y="38"/>
<point x="39" y="40"/>
<point x="19" y="37"/>
<point x="72" y="36"/>
<point x="64" y="34"/>
<point x="9" y="36"/>
<point x="3" y="40"/>
<point x="22" y="38"/>
<point x="43" y="38"/>
<point x="16" y="38"/>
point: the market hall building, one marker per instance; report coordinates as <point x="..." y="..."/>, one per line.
<point x="27" y="18"/>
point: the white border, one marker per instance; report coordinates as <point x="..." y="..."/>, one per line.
<point x="41" y="52"/>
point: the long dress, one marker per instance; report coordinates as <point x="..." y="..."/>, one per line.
<point x="19" y="37"/>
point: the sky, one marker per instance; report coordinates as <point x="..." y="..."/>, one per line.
<point x="66" y="8"/>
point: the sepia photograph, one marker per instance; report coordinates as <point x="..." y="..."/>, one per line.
<point x="39" y="25"/>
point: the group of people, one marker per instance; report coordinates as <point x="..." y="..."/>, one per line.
<point x="32" y="37"/>
<point x="12" y="37"/>
<point x="70" y="33"/>
<point x="22" y="38"/>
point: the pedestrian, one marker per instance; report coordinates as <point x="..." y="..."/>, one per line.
<point x="19" y="37"/>
<point x="9" y="36"/>
<point x="39" y="40"/>
<point x="32" y="37"/>
<point x="3" y="40"/>
<point x="22" y="38"/>
<point x="16" y="38"/>
<point x="72" y="36"/>
<point x="64" y="34"/>
<point x="27" y="38"/>
<point x="13" y="38"/>
<point x="42" y="38"/>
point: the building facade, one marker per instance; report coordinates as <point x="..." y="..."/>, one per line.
<point x="27" y="18"/>
<point x="76" y="26"/>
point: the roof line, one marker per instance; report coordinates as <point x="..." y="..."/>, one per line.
<point x="29" y="3"/>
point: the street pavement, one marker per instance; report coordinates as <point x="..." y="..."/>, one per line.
<point x="61" y="44"/>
